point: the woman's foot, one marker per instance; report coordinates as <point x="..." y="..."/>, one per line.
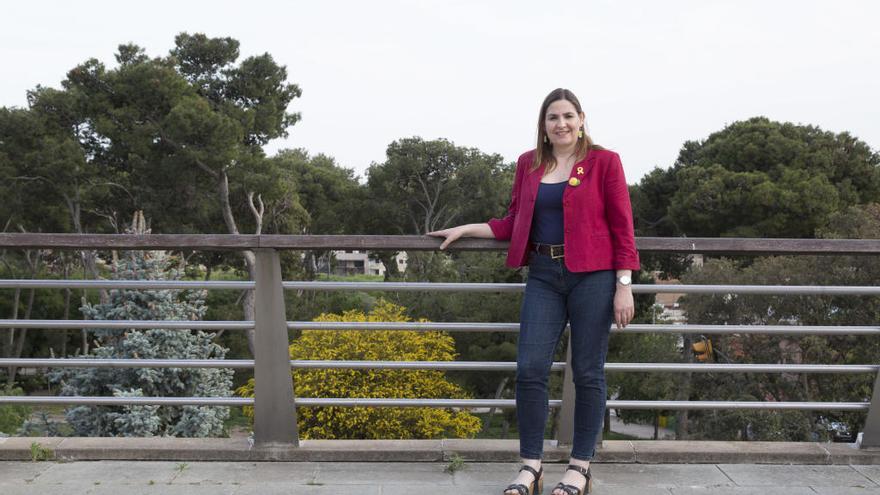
<point x="574" y="478"/>
<point x="526" y="477"/>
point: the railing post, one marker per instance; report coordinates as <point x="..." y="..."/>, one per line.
<point x="565" y="420"/>
<point x="871" y="435"/>
<point x="274" y="410"/>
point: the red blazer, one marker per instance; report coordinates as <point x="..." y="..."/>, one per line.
<point x="597" y="215"/>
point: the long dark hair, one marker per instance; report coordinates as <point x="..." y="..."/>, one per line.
<point x="544" y="151"/>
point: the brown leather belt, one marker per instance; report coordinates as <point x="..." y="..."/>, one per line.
<point x="554" y="251"/>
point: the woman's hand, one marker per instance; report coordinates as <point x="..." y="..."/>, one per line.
<point x="624" y="308"/>
<point x="451" y="234"/>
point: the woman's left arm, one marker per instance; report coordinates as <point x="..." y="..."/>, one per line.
<point x="618" y="213"/>
<point x="624" y="307"/>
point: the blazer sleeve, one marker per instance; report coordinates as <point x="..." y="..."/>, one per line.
<point x="502" y="228"/>
<point x="618" y="213"/>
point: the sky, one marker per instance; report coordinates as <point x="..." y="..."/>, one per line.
<point x="649" y="74"/>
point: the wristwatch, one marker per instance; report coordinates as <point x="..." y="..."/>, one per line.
<point x="624" y="280"/>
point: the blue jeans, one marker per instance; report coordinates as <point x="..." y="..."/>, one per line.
<point x="555" y="296"/>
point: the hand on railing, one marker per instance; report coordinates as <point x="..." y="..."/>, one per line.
<point x="469" y="230"/>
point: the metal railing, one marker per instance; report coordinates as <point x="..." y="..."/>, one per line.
<point x="274" y="401"/>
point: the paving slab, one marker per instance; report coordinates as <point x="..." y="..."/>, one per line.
<point x="870" y="472"/>
<point x="115" y="472"/>
<point x="742" y="490"/>
<point x="850" y="490"/>
<point x="390" y="478"/>
<point x="369" y="473"/>
<point x="791" y="475"/>
<point x="229" y="473"/>
<point x="22" y="471"/>
<point x="668" y="476"/>
<point x="706" y="451"/>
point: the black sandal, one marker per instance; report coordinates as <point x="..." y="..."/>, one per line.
<point x="535" y="487"/>
<point x="573" y="490"/>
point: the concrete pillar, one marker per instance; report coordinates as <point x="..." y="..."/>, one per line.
<point x="274" y="411"/>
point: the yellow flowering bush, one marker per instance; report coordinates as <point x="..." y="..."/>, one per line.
<point x="370" y="345"/>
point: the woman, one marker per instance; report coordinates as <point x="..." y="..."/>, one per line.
<point x="570" y="220"/>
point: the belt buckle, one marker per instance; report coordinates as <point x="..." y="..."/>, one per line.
<point x="553" y="250"/>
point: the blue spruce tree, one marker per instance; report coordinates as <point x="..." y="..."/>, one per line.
<point x="127" y="304"/>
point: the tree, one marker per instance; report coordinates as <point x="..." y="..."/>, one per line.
<point x="856" y="222"/>
<point x="330" y="195"/>
<point x="760" y="178"/>
<point x="386" y="345"/>
<point x="127" y="304"/>
<point x="756" y="178"/>
<point x="198" y="117"/>
<point x="431" y="185"/>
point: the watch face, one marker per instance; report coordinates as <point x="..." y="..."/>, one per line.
<point x="624" y="280"/>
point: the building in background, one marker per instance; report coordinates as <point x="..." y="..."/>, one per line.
<point x="345" y="263"/>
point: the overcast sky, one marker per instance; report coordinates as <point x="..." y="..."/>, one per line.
<point x="650" y="74"/>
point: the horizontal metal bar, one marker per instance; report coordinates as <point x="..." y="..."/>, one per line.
<point x="779" y="290"/>
<point x="429" y="287"/>
<point x="126" y="363"/>
<point x="616" y="404"/>
<point x="404" y="286"/>
<point x="634" y="328"/>
<point x="411" y="326"/>
<point x="706" y="404"/>
<point x="414" y="365"/>
<point x="434" y="365"/>
<point x="126" y="324"/>
<point x="433" y="326"/>
<point x="127" y="401"/>
<point x="457" y="403"/>
<point x="742" y="368"/>
<point x="212" y="242"/>
<point x="125" y="284"/>
<point x="637" y="288"/>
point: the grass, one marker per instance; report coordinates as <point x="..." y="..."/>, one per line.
<point x="456" y="463"/>
<point x="612" y="435"/>
<point x="40" y="453"/>
<point x="349" y="278"/>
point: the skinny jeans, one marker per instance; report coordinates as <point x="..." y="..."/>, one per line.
<point x="555" y="296"/>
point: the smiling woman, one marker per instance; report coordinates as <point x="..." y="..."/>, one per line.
<point x="570" y="221"/>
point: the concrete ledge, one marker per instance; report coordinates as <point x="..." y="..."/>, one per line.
<point x="611" y="451"/>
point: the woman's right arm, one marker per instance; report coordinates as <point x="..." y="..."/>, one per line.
<point x="468" y="230"/>
<point x="500" y="229"/>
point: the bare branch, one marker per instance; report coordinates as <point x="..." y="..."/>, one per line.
<point x="258" y="212"/>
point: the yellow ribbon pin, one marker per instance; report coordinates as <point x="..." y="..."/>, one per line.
<point x="580" y="170"/>
<point x="574" y="182"/>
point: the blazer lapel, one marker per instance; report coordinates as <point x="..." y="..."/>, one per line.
<point x="579" y="173"/>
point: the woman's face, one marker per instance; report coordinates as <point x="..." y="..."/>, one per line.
<point x="562" y="123"/>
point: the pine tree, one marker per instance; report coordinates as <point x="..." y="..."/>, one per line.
<point x="127" y="304"/>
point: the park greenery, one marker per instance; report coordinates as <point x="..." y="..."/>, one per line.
<point x="375" y="345"/>
<point x="182" y="137"/>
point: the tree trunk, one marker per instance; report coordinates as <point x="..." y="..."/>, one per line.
<point x="10" y="343"/>
<point x="498" y="393"/>
<point x="250" y="259"/>
<point x="656" y="425"/>
<point x="684" y="393"/>
<point x="67" y="295"/>
<point x="389" y="260"/>
<point x="19" y="347"/>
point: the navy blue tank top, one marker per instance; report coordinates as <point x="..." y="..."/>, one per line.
<point x="547" y="220"/>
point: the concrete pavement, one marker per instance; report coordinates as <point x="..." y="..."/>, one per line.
<point x="314" y="478"/>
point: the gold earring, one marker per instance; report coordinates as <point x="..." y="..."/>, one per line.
<point x="580" y="134"/>
<point x="545" y="139"/>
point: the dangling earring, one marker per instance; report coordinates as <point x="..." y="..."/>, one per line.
<point x="581" y="133"/>
<point x="545" y="139"/>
